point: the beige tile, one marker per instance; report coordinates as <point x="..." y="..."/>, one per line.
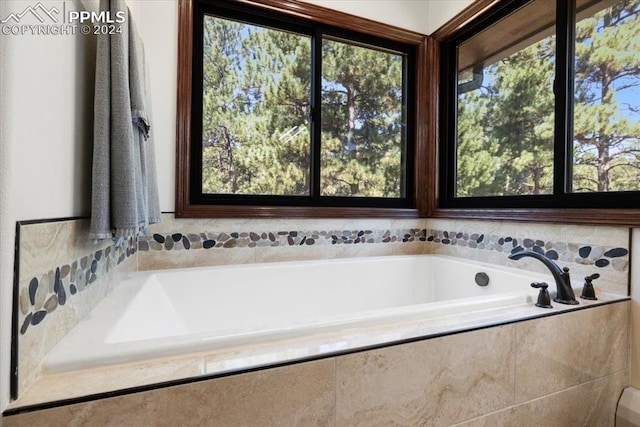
<point x="50" y="244"/>
<point x="160" y="260"/>
<point x="592" y="404"/>
<point x="85" y="382"/>
<point x="417" y="223"/>
<point x="557" y="352"/>
<point x="482" y="255"/>
<point x="606" y="236"/>
<point x="635" y="339"/>
<point x="296" y="253"/>
<point x="297" y="395"/>
<point x="301" y="253"/>
<point x="434" y="382"/>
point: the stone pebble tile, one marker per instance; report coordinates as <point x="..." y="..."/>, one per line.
<point x="48" y="291"/>
<point x="601" y="257"/>
<point x="584" y="254"/>
<point x="251" y="239"/>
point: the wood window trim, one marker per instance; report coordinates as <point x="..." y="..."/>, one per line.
<point x="602" y="217"/>
<point x="186" y="209"/>
<point x="427" y="197"/>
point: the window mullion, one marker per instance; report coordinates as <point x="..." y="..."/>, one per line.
<point x="563" y="152"/>
<point x="316" y="113"/>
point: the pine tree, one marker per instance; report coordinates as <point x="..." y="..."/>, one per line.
<point x="255" y="110"/>
<point x="607" y="108"/>
<point x="256" y="115"/>
<point x="505" y="130"/>
<point x="362" y="131"/>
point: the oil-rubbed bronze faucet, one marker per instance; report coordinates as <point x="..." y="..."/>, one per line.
<point x="560" y="275"/>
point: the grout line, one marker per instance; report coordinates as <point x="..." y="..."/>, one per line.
<point x="335" y="391"/>
<point x="515" y="361"/>
<point x="530" y="401"/>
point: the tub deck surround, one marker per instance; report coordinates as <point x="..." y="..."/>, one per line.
<point x="48" y="247"/>
<point x="379" y="327"/>
<point x="467" y="379"/>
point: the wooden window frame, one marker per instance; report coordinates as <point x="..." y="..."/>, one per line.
<point x="427" y="194"/>
<point x="575" y="208"/>
<point x="424" y="47"/>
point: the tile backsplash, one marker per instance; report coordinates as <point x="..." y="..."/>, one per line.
<point x="586" y="250"/>
<point x="62" y="276"/>
<point x="600" y="256"/>
<point x="42" y="294"/>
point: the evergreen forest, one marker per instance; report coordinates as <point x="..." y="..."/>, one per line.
<point x="506" y="127"/>
<point x="257" y="114"/>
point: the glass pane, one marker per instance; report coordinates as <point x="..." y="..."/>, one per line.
<point x="606" y="140"/>
<point x="363" y="122"/>
<point x="255" y="110"/>
<point x="505" y="122"/>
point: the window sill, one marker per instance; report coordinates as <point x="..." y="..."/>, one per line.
<point x="613" y="217"/>
<point x="221" y="211"/>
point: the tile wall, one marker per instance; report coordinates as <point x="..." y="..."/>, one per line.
<point x="62" y="276"/>
<point x="586" y="250"/>
<point x="186" y="243"/>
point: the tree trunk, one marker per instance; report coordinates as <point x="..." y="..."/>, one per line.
<point x="231" y="172"/>
<point x="603" y="140"/>
<point x="351" y="120"/>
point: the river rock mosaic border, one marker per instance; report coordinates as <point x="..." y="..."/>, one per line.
<point x="586" y="254"/>
<point x="616" y="258"/>
<point x="46" y="292"/>
<point x="252" y="239"/>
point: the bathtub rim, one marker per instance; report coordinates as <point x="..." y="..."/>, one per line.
<point x="342" y="325"/>
<point x="59" y="361"/>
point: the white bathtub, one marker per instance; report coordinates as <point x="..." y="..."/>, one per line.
<point x="171" y="312"/>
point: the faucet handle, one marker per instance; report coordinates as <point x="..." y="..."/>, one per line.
<point x="591" y="278"/>
<point x="544" y="300"/>
<point x="587" y="289"/>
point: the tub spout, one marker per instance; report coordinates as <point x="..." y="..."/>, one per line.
<point x="560" y="275"/>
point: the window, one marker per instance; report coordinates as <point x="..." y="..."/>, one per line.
<point x="541" y="107"/>
<point x="294" y="117"/>
<point x="606" y="125"/>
